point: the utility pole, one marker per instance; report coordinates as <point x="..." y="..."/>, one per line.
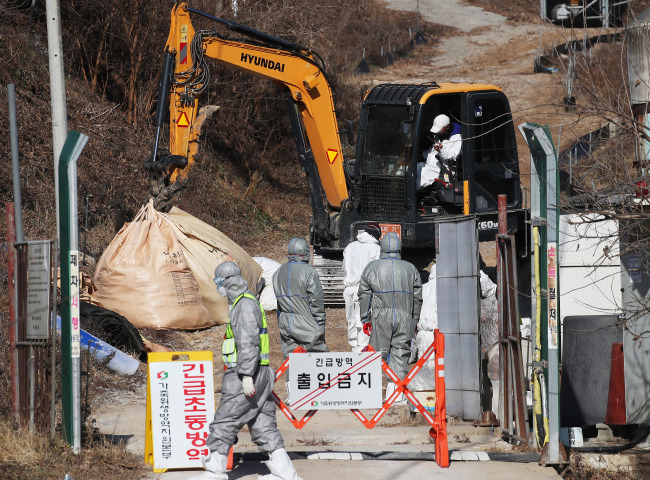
<point x="15" y="163"/>
<point x="57" y="90"/>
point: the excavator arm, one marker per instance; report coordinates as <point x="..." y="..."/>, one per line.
<point x="295" y="69"/>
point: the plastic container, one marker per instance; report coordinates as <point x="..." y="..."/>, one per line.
<point x="119" y="361"/>
<point x="571" y="436"/>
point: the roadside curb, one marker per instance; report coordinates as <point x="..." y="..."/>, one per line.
<point x="455" y="456"/>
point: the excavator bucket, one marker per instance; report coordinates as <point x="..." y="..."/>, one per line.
<point x="167" y="178"/>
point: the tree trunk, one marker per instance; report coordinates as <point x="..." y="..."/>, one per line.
<point x="100" y="51"/>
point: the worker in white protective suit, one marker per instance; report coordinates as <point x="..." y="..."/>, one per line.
<point x="247" y="384"/>
<point x="356" y="256"/>
<point x="390" y="299"/>
<point x="425" y="380"/>
<point x="489" y="329"/>
<point x="437" y="170"/>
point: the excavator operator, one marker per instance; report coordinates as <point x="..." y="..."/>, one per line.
<point x="438" y="171"/>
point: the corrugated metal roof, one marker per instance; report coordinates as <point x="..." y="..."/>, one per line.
<point x="641" y="20"/>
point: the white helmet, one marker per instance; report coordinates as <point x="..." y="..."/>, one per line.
<point x="440" y="122"/>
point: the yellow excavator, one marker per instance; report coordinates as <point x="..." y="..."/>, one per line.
<point x="379" y="185"/>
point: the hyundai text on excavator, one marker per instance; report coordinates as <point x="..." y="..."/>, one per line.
<point x="380" y="184"/>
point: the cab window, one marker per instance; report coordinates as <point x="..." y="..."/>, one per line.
<point x="385" y="149"/>
<point x="494" y="142"/>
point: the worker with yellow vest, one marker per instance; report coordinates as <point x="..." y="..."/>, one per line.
<point x="247" y="384"/>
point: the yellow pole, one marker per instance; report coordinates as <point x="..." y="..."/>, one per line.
<point x="465" y="197"/>
<point x="537" y="396"/>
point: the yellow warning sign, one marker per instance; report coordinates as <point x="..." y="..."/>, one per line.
<point x="183" y="121"/>
<point x="332" y="155"/>
<point x="180" y="407"/>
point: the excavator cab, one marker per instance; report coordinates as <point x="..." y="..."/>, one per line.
<point x="393" y="141"/>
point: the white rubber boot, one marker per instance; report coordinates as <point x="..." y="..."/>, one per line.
<point x="495" y="398"/>
<point x="215" y="466"/>
<point x="401" y="400"/>
<point x="390" y="389"/>
<point x="280" y="466"/>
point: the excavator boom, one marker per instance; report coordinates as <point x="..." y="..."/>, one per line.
<point x="293" y="68"/>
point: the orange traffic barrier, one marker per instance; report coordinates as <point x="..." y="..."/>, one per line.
<point x="438" y="421"/>
<point x="231" y="459"/>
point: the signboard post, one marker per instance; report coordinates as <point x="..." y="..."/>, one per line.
<point x="545" y="215"/>
<point x="335" y="381"/>
<point x="70" y="329"/>
<point x="180" y="407"/>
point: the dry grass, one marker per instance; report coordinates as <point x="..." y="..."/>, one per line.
<point x="27" y="457"/>
<point x="247" y="181"/>
<point x="314" y="441"/>
<point x="579" y="470"/>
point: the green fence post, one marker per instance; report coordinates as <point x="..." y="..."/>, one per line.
<point x="70" y="330"/>
<point x="545" y="211"/>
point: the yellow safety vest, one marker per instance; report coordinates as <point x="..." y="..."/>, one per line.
<point x="229" y="349"/>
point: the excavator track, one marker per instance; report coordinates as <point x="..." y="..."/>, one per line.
<point x="330" y="271"/>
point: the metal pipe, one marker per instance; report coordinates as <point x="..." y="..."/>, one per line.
<point x="55" y="267"/>
<point x="13" y="322"/>
<point x="89" y="196"/>
<point x="57" y="90"/>
<point x="15" y="164"/>
<point x="504" y="419"/>
<point x="542" y="385"/>
<point x="163" y="98"/>
<point x="32" y="381"/>
<point x="74" y="247"/>
<point x="537" y="401"/>
<point x="70" y="331"/>
<point x="506" y="338"/>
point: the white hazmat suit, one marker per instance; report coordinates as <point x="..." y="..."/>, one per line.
<point x="356" y="256"/>
<point x="451" y="142"/>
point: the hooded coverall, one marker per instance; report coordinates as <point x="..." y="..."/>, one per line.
<point x="247" y="385"/>
<point x="301" y="309"/>
<point x="356" y="256"/>
<point x="390" y="298"/>
<point x="236" y="410"/>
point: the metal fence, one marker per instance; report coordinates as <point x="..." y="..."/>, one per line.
<point x="35" y="336"/>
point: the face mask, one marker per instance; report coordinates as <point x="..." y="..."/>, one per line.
<point x="218" y="281"/>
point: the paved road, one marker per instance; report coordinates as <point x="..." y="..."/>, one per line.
<point x="453" y="13"/>
<point x="393" y="470"/>
<point x="339" y="431"/>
